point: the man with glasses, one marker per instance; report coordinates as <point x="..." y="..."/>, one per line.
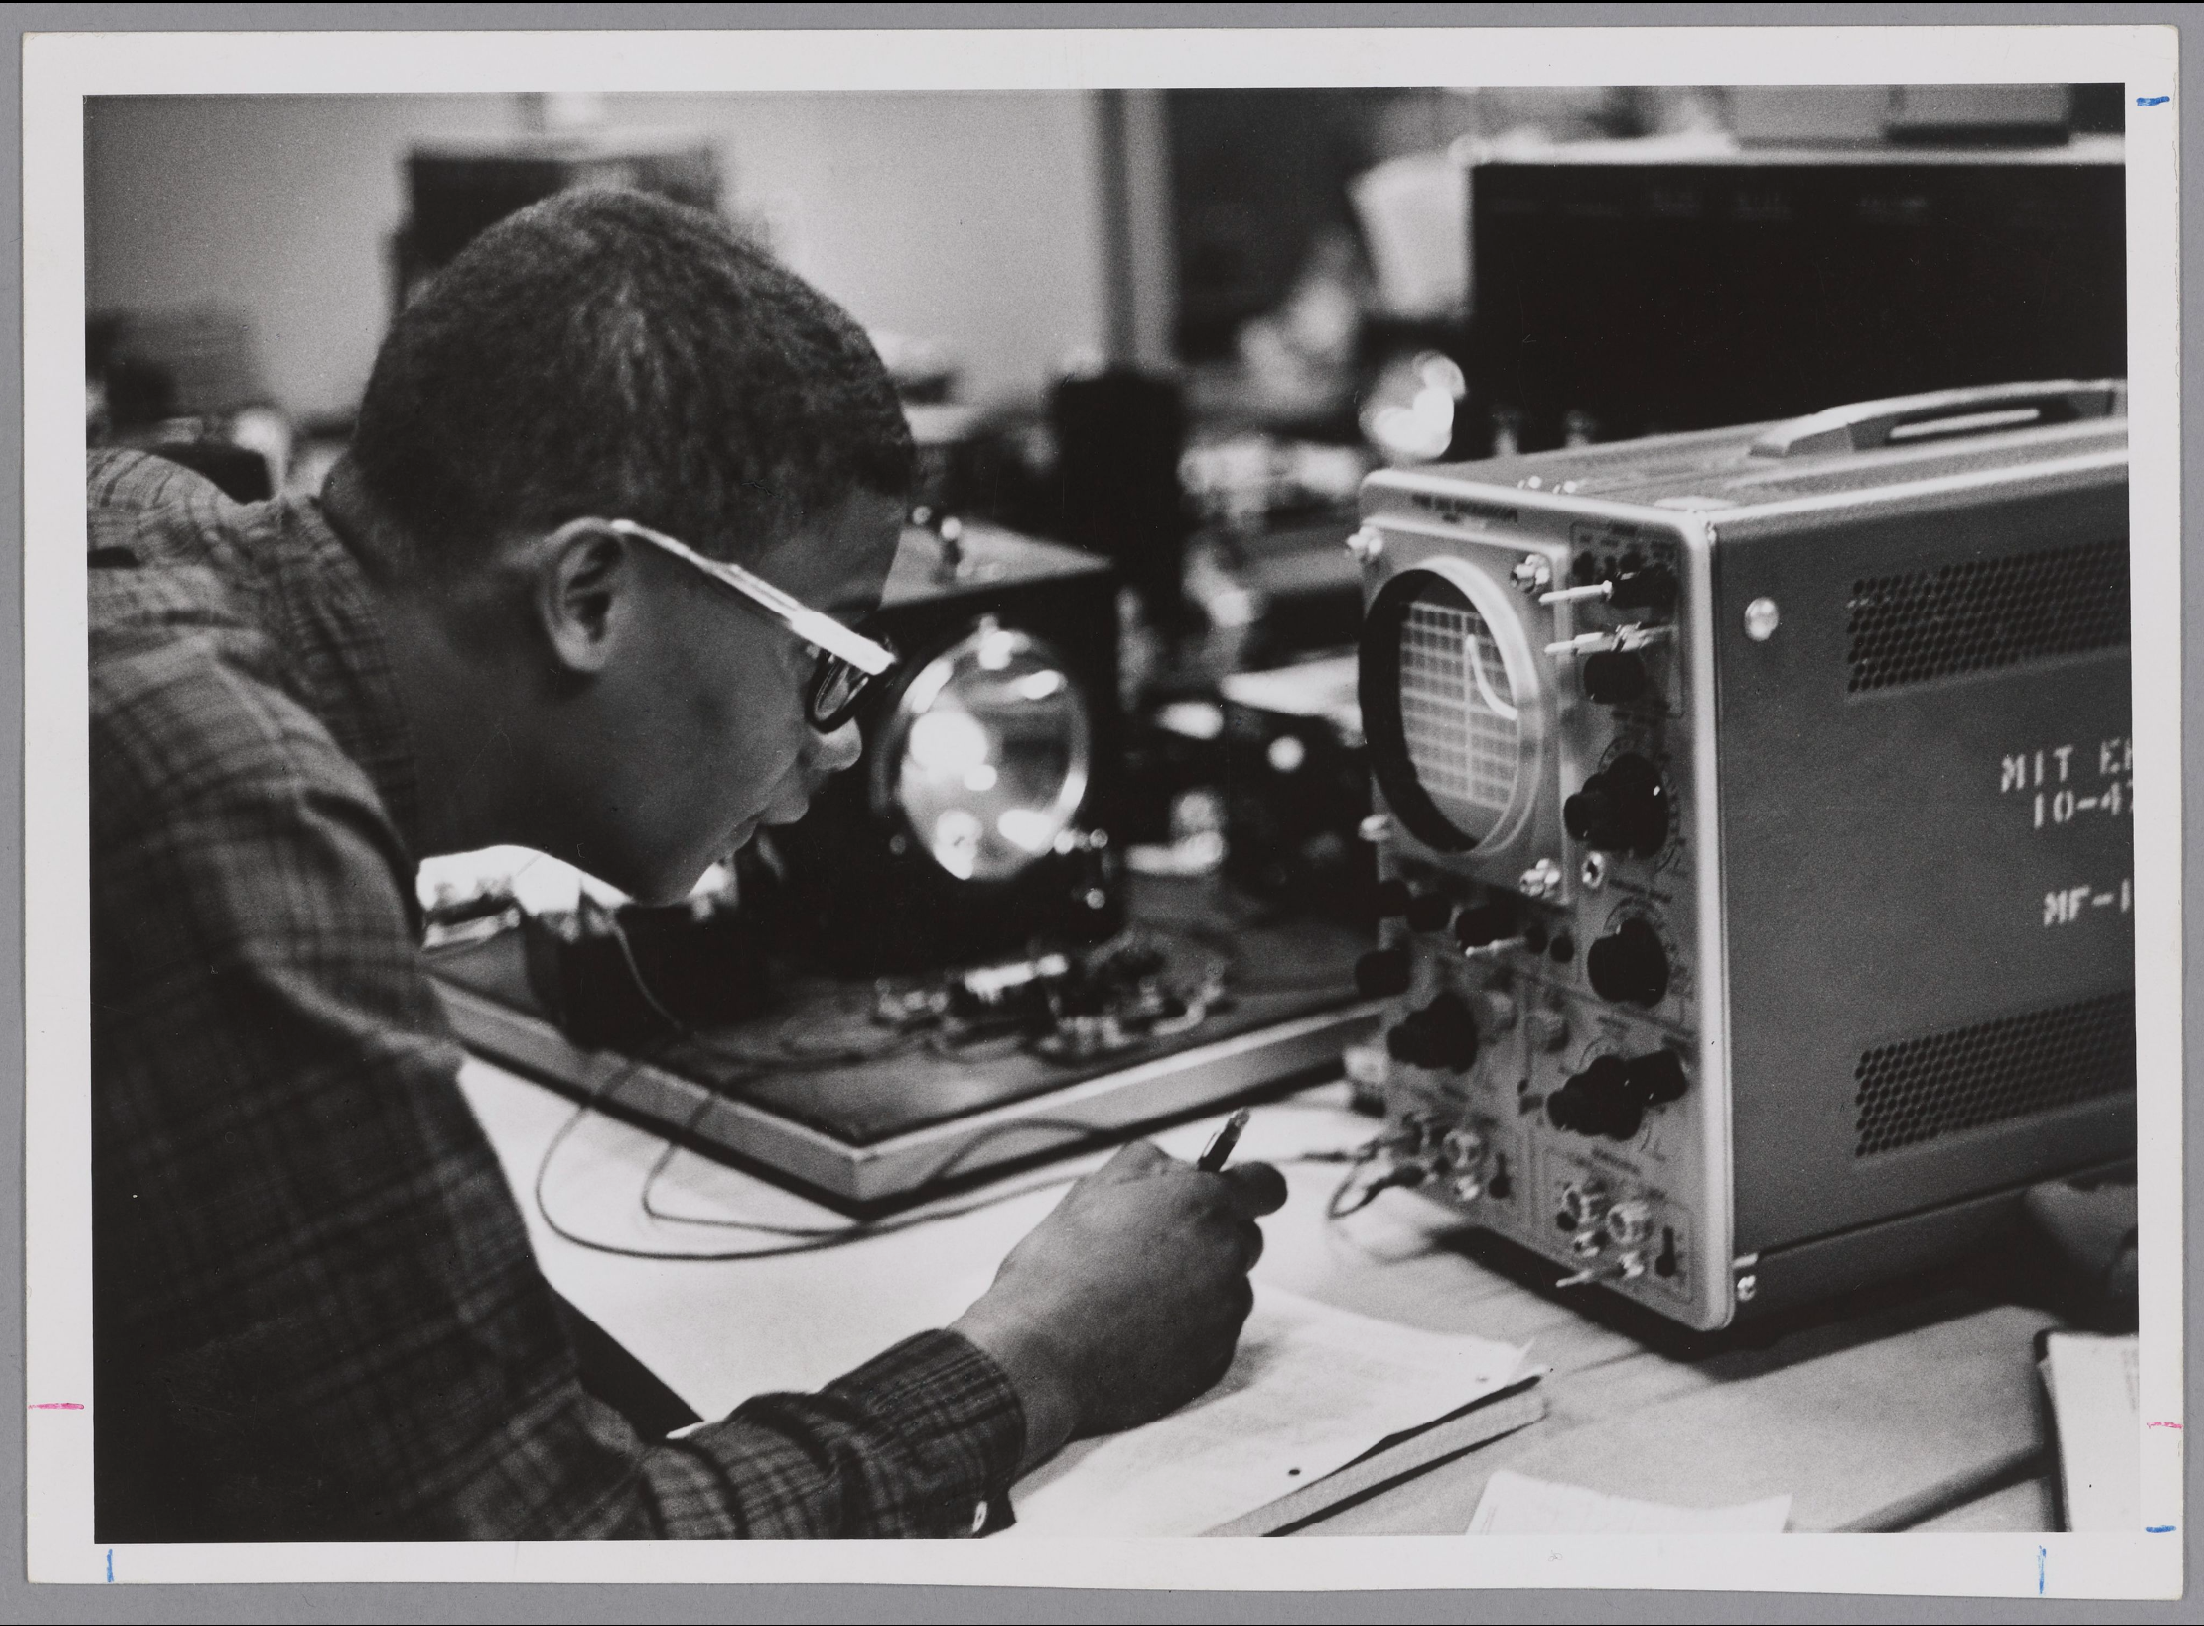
<point x="583" y="582"/>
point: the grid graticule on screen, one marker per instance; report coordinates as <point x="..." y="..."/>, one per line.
<point x="1464" y="753"/>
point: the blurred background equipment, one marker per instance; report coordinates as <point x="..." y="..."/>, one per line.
<point x="1297" y="785"/>
<point x="186" y="383"/>
<point x="1947" y="115"/>
<point x="979" y="817"/>
<point x="1635" y="288"/>
<point x="1119" y="435"/>
<point x="457" y="189"/>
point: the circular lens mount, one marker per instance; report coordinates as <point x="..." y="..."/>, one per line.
<point x="1452" y="706"/>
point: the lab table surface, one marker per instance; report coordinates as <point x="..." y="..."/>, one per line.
<point x="1915" y="1408"/>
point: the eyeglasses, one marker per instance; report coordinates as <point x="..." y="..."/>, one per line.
<point x="847" y="661"/>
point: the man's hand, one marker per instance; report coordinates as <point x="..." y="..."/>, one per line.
<point x="1127" y="1301"/>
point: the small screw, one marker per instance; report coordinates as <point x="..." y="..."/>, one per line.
<point x="1367" y="543"/>
<point x="1595" y="871"/>
<point x="1747" y="1287"/>
<point x="1375" y="828"/>
<point x="1533" y="574"/>
<point x="1761" y="619"/>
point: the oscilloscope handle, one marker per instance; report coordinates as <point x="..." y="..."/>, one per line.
<point x="1871" y="425"/>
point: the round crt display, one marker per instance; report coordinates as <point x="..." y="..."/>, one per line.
<point x="988" y="753"/>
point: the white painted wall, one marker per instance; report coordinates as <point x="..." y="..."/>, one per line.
<point x="972" y="218"/>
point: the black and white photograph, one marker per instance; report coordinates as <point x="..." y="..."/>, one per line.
<point x="1023" y="812"/>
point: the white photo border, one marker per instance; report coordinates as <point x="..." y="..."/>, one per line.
<point x="61" y="70"/>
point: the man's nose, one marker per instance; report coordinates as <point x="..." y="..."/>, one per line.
<point x="831" y="753"/>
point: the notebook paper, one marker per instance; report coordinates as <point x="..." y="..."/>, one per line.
<point x="2095" y="1401"/>
<point x="1311" y="1389"/>
<point x="1517" y="1505"/>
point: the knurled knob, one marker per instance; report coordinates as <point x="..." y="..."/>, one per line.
<point x="1629" y="965"/>
<point x="1622" y="808"/>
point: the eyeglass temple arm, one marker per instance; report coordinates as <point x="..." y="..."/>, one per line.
<point x="813" y="626"/>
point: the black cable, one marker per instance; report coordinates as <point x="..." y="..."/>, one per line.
<point x="811" y="1239"/>
<point x="791" y="1059"/>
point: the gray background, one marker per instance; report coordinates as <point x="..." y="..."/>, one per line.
<point x="19" y="1601"/>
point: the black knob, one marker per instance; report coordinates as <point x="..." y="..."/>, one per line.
<point x="1622" y="808"/>
<point x="1598" y="1101"/>
<point x="1382" y="973"/>
<point x="1408" y="1042"/>
<point x="1610" y="1096"/>
<point x="1453" y="1032"/>
<point x="1428" y="912"/>
<point x="1614" y="677"/>
<point x="1629" y="965"/>
<point x="1651" y="587"/>
<point x="1658" y="1077"/>
<point x="1442" y="1036"/>
<point x="1485" y="923"/>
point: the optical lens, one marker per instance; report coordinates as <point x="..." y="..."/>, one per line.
<point x="835" y="689"/>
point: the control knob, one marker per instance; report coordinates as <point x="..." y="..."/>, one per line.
<point x="1651" y="587"/>
<point x="1610" y="1097"/>
<point x="1382" y="973"/>
<point x="1614" y="677"/>
<point x="1629" y="965"/>
<point x="1442" y="1036"/>
<point x="1486" y="923"/>
<point x="1622" y="808"/>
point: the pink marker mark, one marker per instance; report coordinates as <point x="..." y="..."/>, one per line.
<point x="2161" y="1425"/>
<point x="57" y="1405"/>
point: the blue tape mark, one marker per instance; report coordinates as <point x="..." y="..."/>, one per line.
<point x="110" y="1563"/>
<point x="2156" y="1529"/>
<point x="2152" y="101"/>
<point x="2040" y="1552"/>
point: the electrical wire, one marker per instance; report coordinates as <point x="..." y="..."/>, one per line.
<point x="814" y="1239"/>
<point x="790" y="1058"/>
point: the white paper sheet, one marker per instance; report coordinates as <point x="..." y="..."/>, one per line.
<point x="1517" y="1505"/>
<point x="2098" y="1408"/>
<point x="1311" y="1389"/>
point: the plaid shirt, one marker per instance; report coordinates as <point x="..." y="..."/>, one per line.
<point x="317" y="1314"/>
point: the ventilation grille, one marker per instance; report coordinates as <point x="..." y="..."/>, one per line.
<point x="1983" y="614"/>
<point x="1919" y="1089"/>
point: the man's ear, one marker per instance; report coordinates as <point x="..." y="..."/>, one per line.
<point x="585" y="592"/>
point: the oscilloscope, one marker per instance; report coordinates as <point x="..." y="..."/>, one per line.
<point x="1755" y="813"/>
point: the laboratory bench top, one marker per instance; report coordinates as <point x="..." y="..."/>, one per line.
<point x="1916" y="1406"/>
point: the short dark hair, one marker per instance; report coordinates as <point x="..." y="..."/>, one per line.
<point x="608" y="352"/>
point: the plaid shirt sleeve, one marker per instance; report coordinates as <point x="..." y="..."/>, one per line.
<point x="317" y="1311"/>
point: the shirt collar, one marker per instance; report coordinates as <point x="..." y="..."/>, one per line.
<point x="335" y="640"/>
